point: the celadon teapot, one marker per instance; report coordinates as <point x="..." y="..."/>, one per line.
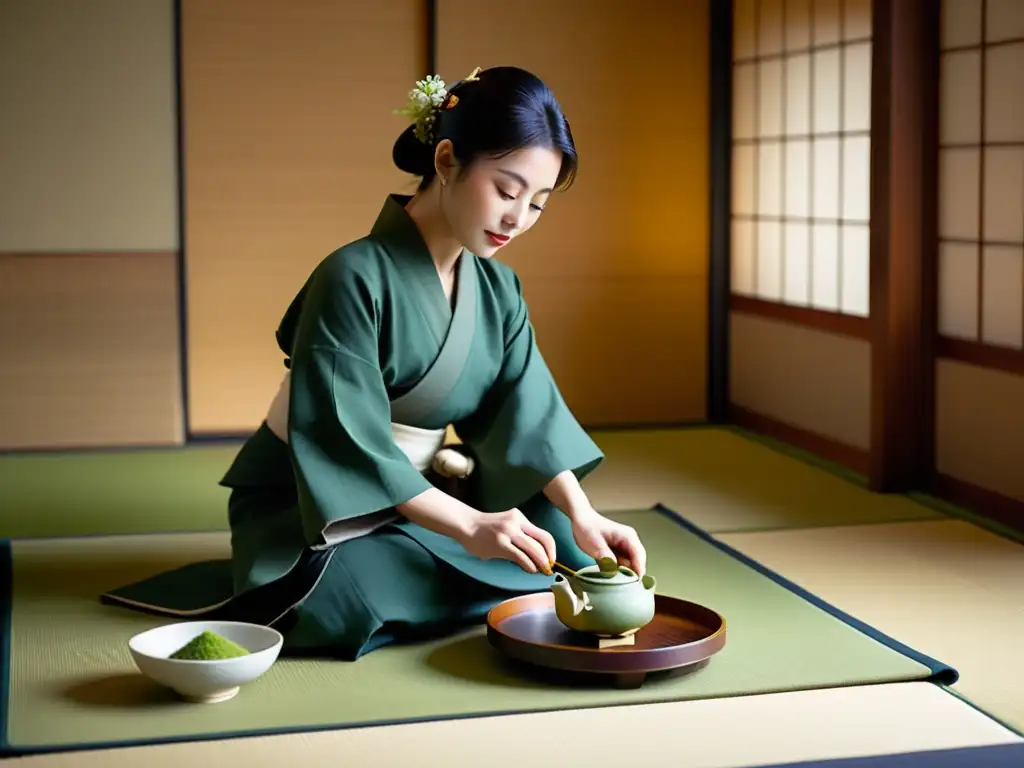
<point x="606" y="599"/>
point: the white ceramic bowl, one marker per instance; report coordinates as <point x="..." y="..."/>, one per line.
<point x="205" y="682"/>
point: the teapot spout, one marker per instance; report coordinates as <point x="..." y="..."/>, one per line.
<point x="566" y="601"/>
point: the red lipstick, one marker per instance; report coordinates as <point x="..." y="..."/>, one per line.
<point x="496" y="240"/>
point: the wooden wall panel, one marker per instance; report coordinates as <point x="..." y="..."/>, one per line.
<point x="88" y="225"/>
<point x="979" y="427"/>
<point x="87" y="139"/>
<point x="90" y="350"/>
<point x="812" y="380"/>
<point x="616" y="271"/>
<point x="288" y="133"/>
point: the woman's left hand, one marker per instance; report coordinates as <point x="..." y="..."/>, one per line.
<point x="600" y="537"/>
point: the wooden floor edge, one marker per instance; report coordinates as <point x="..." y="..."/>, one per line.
<point x="1004" y="510"/>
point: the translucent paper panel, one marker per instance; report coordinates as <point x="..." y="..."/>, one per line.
<point x="798" y="179"/>
<point x="798" y="25"/>
<point x="769" y="260"/>
<point x="857" y="178"/>
<point x="825" y="266"/>
<point x="855" y="263"/>
<point x="744" y="101"/>
<point x="744" y="255"/>
<point x="1002" y="305"/>
<point x="960" y="97"/>
<point x="826" y="91"/>
<point x="857" y="87"/>
<point x="744" y="179"/>
<point x="803" y="178"/>
<point x="958" y="291"/>
<point x="1004" y="20"/>
<point x="825" y="170"/>
<point x="1004" y="93"/>
<point x="743" y="19"/>
<point x="857" y="19"/>
<point x="798" y="94"/>
<point x="771" y="95"/>
<point x="769" y="179"/>
<point x="796" y="287"/>
<point x="959" y="180"/>
<point x="1004" y="194"/>
<point x="827" y="21"/>
<point x="769" y="33"/>
<point x="961" y="22"/>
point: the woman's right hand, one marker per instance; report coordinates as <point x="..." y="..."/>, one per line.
<point x="511" y="536"/>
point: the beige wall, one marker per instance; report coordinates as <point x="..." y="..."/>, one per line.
<point x="88" y="224"/>
<point x="805" y="378"/>
<point x="616" y="274"/>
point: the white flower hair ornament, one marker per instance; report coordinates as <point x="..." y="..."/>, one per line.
<point x="428" y="97"/>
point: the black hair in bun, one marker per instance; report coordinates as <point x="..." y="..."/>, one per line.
<point x="497" y="112"/>
<point x="412" y="155"/>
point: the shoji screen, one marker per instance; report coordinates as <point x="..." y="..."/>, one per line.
<point x="980" y="371"/>
<point x="801" y="170"/>
<point x="981" y="221"/>
<point x="799" y="351"/>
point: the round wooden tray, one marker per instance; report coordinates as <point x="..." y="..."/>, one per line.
<point x="680" y="635"/>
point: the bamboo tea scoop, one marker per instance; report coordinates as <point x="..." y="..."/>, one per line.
<point x="564" y="568"/>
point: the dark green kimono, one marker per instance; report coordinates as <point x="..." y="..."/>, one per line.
<point x="371" y="339"/>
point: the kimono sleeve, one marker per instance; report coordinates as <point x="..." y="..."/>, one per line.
<point x="349" y="471"/>
<point x="523" y="434"/>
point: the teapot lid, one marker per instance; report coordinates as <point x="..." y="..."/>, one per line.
<point x="607" y="571"/>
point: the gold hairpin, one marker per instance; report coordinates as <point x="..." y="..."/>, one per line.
<point x="452" y="99"/>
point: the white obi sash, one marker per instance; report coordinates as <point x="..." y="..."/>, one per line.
<point x="423" y="447"/>
<point x="419" y="445"/>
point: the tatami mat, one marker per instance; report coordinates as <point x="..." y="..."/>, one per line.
<point x="946" y="588"/>
<point x="725" y="481"/>
<point x="715" y="733"/>
<point x="716" y="477"/>
<point x="73" y="682"/>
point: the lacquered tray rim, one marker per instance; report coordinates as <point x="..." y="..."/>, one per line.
<point x="617" y="661"/>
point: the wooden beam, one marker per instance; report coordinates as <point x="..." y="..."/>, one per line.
<point x="904" y="161"/>
<point x="831" y="322"/>
<point x="720" y="153"/>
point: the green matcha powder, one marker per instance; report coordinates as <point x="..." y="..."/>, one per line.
<point x="209" y="646"/>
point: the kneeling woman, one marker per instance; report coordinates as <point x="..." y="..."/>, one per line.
<point x="343" y="534"/>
